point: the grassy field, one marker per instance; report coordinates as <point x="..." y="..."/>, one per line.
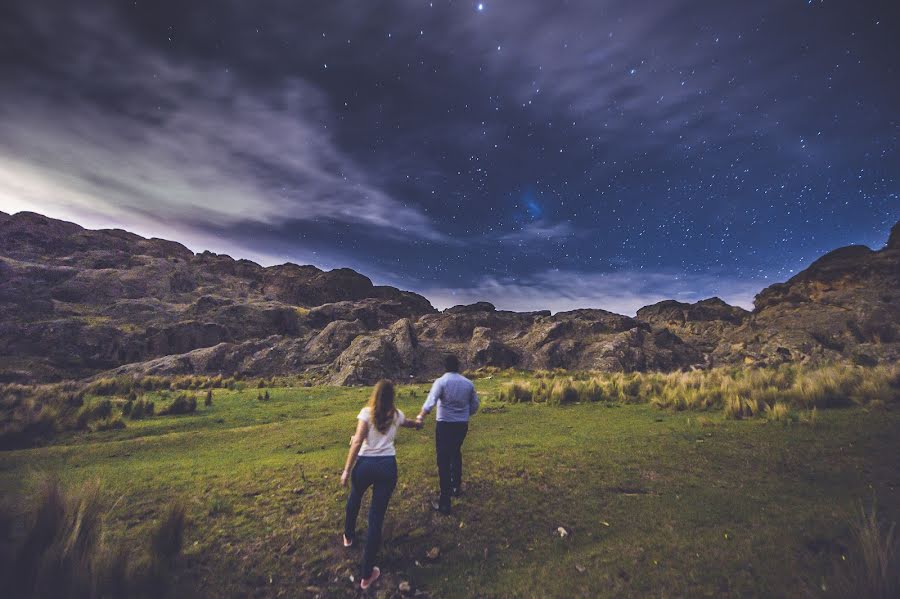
<point x="653" y="502"/>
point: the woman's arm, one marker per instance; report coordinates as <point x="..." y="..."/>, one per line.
<point x="362" y="431"/>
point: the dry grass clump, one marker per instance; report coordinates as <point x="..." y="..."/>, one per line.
<point x="738" y="407"/>
<point x="777" y="412"/>
<point x="515" y="392"/>
<point x="557" y="391"/>
<point x="31" y="415"/>
<point x="126" y="385"/>
<point x="563" y="392"/>
<point x="141" y="409"/>
<point x="62" y="548"/>
<point x="34" y="414"/>
<point x="182" y="404"/>
<point x="109" y="423"/>
<point x="739" y="392"/>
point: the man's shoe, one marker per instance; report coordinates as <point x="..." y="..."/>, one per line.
<point x="443" y="509"/>
<point x="367" y="582"/>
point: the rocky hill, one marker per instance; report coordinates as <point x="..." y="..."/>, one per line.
<point x="76" y="302"/>
<point x="845" y="305"/>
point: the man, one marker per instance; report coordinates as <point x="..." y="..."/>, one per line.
<point x="456" y="401"/>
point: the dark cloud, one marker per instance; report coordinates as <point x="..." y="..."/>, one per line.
<point x="511" y="152"/>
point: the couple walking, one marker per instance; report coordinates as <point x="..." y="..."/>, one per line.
<point x="372" y="461"/>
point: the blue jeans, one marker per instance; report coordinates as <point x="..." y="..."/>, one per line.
<point x="380" y="473"/>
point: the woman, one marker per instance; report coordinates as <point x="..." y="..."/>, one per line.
<point x="376" y="467"/>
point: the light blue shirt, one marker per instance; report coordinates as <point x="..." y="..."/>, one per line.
<point x="455" y="397"/>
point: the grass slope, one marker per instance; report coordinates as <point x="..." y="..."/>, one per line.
<point x="654" y="502"/>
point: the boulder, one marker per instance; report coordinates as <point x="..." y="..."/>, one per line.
<point x="332" y="340"/>
<point x="484" y="350"/>
<point x="368" y="359"/>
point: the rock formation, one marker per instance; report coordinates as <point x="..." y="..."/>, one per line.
<point x="75" y="303"/>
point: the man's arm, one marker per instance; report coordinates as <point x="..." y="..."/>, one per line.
<point x="431" y="401"/>
<point x="474" y="402"/>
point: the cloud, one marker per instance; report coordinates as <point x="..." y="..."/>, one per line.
<point x="537" y="231"/>
<point x="176" y="142"/>
<point x="623" y="292"/>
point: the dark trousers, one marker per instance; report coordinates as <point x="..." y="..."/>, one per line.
<point x="380" y="473"/>
<point x="448" y="439"/>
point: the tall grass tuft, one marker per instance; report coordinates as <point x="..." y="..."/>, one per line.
<point x="515" y="392"/>
<point x="64" y="550"/>
<point x="734" y="407"/>
<point x="59" y="553"/>
<point x="563" y="392"/>
<point x="168" y="536"/>
<point x="778" y="412"/>
<point x="182" y="404"/>
<point x="872" y="566"/>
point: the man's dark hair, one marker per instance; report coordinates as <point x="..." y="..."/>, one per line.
<point x="451" y="363"/>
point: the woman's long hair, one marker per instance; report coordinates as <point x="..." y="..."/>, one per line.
<point x="382" y="405"/>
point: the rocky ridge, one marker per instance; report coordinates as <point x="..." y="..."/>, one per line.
<point x="76" y="302"/>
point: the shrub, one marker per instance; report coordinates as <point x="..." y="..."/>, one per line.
<point x="94" y="411"/>
<point x="209" y="397"/>
<point x="30" y="425"/>
<point x="119" y="385"/>
<point x="137" y="410"/>
<point x="266" y="396"/>
<point x="107" y="424"/>
<point x="127" y="407"/>
<point x="182" y="404"/>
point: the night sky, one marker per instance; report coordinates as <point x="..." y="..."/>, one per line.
<point x="533" y="153"/>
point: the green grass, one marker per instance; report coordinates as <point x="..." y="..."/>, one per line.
<point x="661" y="503"/>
